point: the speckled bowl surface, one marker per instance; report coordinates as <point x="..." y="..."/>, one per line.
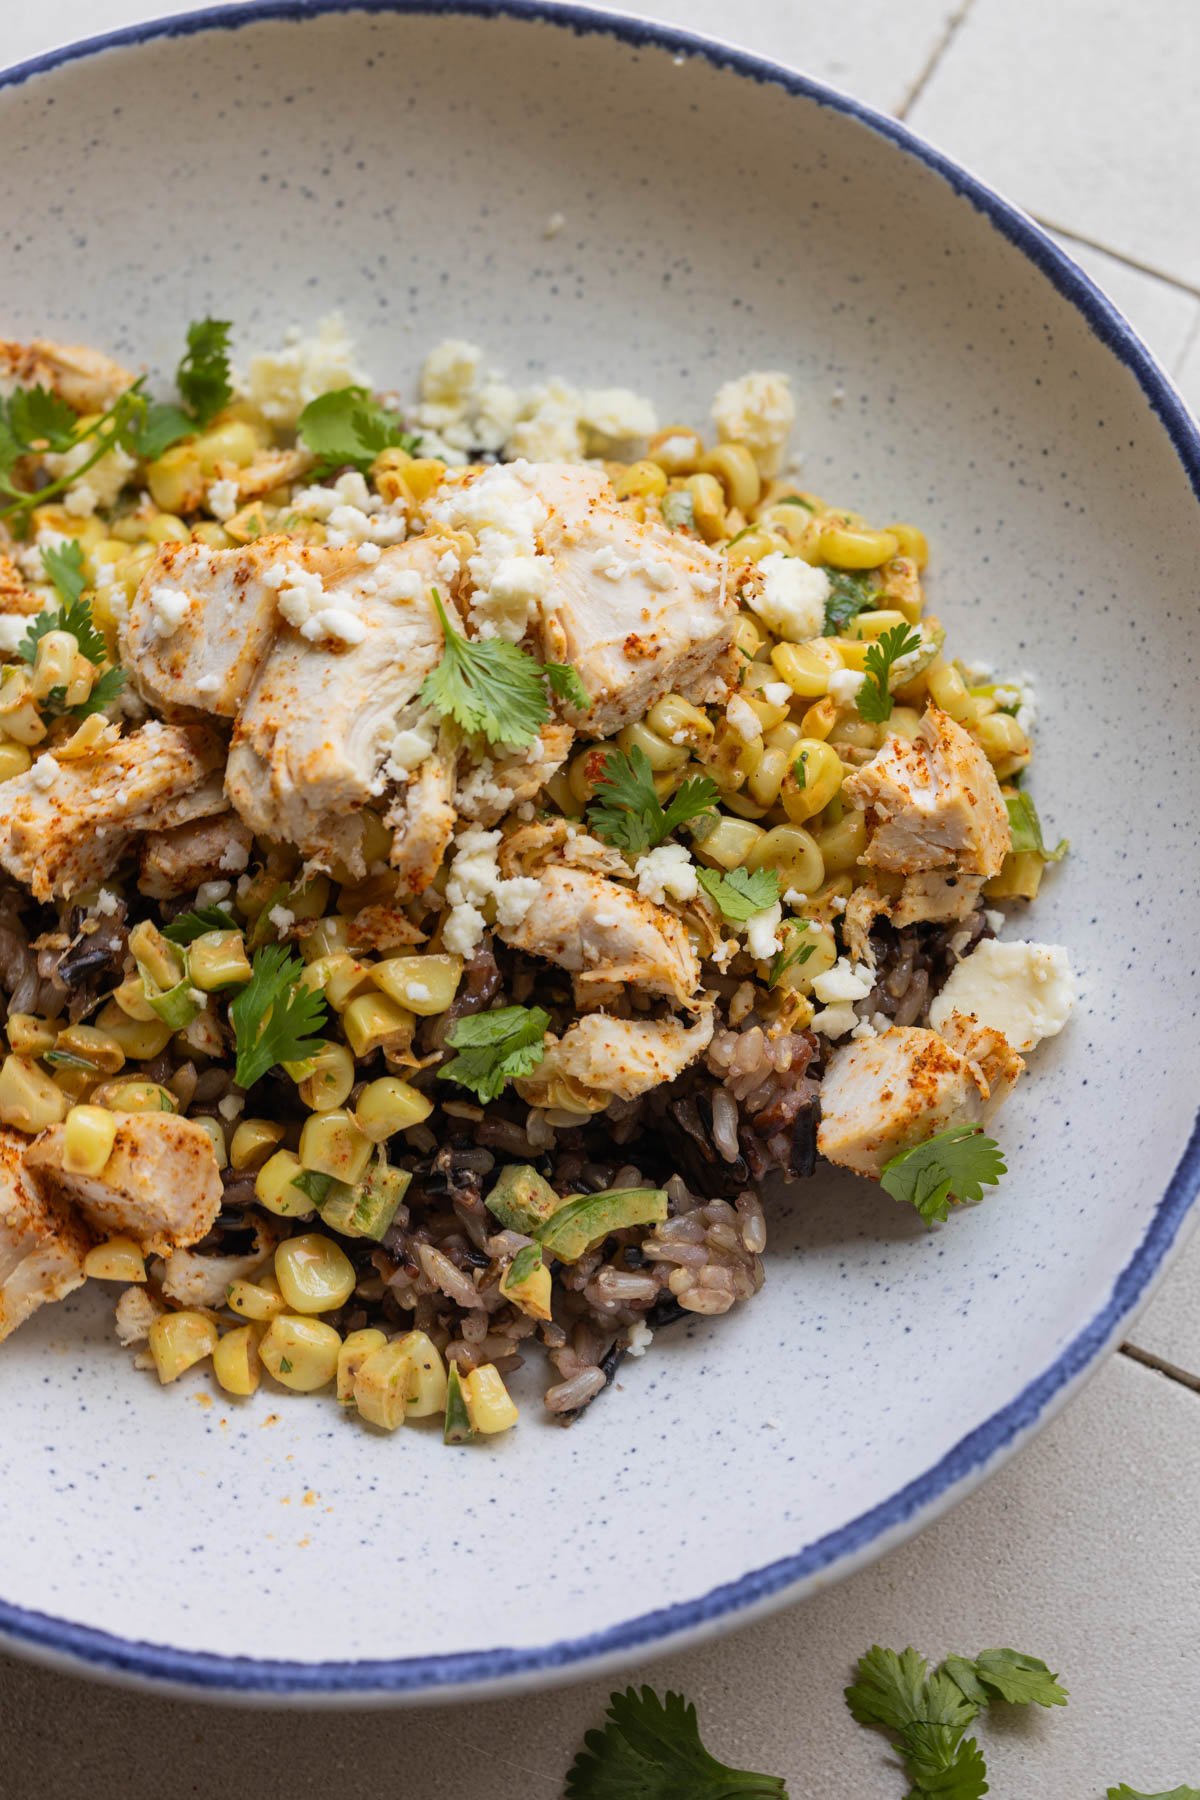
<point x="951" y="366"/>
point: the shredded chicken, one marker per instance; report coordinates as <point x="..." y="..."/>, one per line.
<point x="603" y="933"/>
<point x="176" y="861"/>
<point x="42" y="1244"/>
<point x="598" y="1058"/>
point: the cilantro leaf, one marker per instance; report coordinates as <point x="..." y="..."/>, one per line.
<point x="104" y="691"/>
<point x="495" y="1047"/>
<point x="64" y="569"/>
<point x="650" y="1749"/>
<point x="63" y="566"/>
<point x="874" y="696"/>
<point x="564" y="681"/>
<point x="190" y="925"/>
<point x="1128" y="1793"/>
<point x="38" y="417"/>
<point x="941" y="1763"/>
<point x="273" y="1015"/>
<point x="925" y="1715"/>
<point x="203" y="373"/>
<point x="627" y="811"/>
<point x="740" y="894"/>
<point x="955" y="1164"/>
<point x="890" y="1690"/>
<point x="797" y="500"/>
<point x="1021" y="1680"/>
<point x="1026" y="829"/>
<point x="848" y="596"/>
<point x="489" y="686"/>
<point x="155" y="427"/>
<point x="350" y="426"/>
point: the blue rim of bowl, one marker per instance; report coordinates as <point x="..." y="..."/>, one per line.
<point x="851" y="1543"/>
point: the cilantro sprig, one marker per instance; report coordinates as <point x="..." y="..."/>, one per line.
<point x="275" y="1015"/>
<point x="1128" y="1793"/>
<point x="627" y="811"/>
<point x="954" y="1165"/>
<point x="742" y="892"/>
<point x="188" y="926"/>
<point x="63" y="566"/>
<point x="1026" y="829"/>
<point x="349" y="426"/>
<point x="494" y="687"/>
<point x="874" y="698"/>
<point x="650" y="1749"/>
<point x="495" y="1048"/>
<point x="848" y="596"/>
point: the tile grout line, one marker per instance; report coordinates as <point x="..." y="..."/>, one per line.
<point x="1170" y="1371"/>
<point x="949" y="32"/>
<point x="1121" y="256"/>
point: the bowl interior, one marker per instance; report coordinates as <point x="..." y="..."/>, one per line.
<point x="402" y="168"/>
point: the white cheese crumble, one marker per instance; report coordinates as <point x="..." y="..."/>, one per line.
<point x="667" y="872"/>
<point x="1024" y="990"/>
<point x="12" y="630"/>
<point x="222" y="498"/>
<point x="757" y="410"/>
<point x="282" y="382"/>
<point x="638" y="1339"/>
<point x="791" y="599"/>
<point x="762" y="932"/>
<point x="210" y="892"/>
<point x="282" y="919"/>
<point x="208" y="684"/>
<point x="234" y="857"/>
<point x="231" y="1105"/>
<point x="844" y="685"/>
<point x="743" y="718"/>
<point x="416" y="735"/>
<point x="835" y="1021"/>
<point x="45" y="772"/>
<point x="777" y="693"/>
<point x="168" y="607"/>
<point x="474" y="879"/>
<point x="417" y="991"/>
<point x="105" y="903"/>
<point x="844" y="981"/>
<point x="509" y="574"/>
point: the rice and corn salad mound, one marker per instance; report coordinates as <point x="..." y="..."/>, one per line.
<point x="456" y="849"/>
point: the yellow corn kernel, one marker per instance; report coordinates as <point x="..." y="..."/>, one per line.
<point x="427" y="1380"/>
<point x="1020" y="877"/>
<point x="1001" y="737"/>
<point x="853" y="652"/>
<point x="677" y="450"/>
<point x="310" y="899"/>
<point x="275" y="1186"/>
<point x="659" y="751"/>
<point x="813" y="777"/>
<point x="948" y="690"/>
<point x="531" y="1295"/>
<point x="751" y="545"/>
<point x="842" y="844"/>
<point x="167" y="529"/>
<point x="19" y="717"/>
<point x="53" y="662"/>
<point x="217" y="959"/>
<point x="332" y="1144"/>
<point x="679" y="722"/>
<point x="236" y="1362"/>
<point x="750" y="638"/>
<point x="135" y="1096"/>
<point x="792" y="852"/>
<point x="822" y="952"/>
<point x="807" y="667"/>
<point x="735" y="468"/>
<point x="117" y="1259"/>
<point x="383" y="1383"/>
<point x="176" y="480"/>
<point x="212" y="535"/>
<point x="29" y="1100"/>
<point x="353" y="1354"/>
<point x="911" y="542"/>
<point x="373" y="1021"/>
<point x="88" y="1137"/>
<point x="324" y="1080"/>
<point x="820" y="719"/>
<point x="340" y="977"/>
<point x="179" y="1340"/>
<point x="641" y="481"/>
<point x="422" y="475"/>
<point x="252" y="1143"/>
<point x="328" y="937"/>
<point x="731" y="759"/>
<point x="390" y="1105"/>
<point x="314" y="1275"/>
<point x="213" y="1132"/>
<point x="708" y="507"/>
<point x="259" y="1300"/>
<point x="231" y="441"/>
<point x="139" y="1039"/>
<point x="300" y="1353"/>
<point x="853" y="733"/>
<point x="131" y="998"/>
<point x="426" y="985"/>
<point x="905" y="722"/>
<point x="856" y="547"/>
<point x="874" y="623"/>
<point x="91" y="735"/>
<point x="98" y="1048"/>
<point x="14" y="759"/>
<point x="489" y="1407"/>
<point x="764" y="784"/>
<point x="729" y="843"/>
<point x="31" y="1035"/>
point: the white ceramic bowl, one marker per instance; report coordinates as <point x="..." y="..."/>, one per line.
<point x="952" y="366"/>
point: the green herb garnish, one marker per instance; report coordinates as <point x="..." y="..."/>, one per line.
<point x="495" y="1047"/>
<point x="874" y="696"/>
<point x="650" y="1749"/>
<point x="953" y="1165"/>
<point x="274" y="1015"/>
<point x="742" y="892"/>
<point x="627" y="811"/>
<point x="494" y="687"/>
<point x="848" y="596"/>
<point x="1026" y="829"/>
<point x="350" y="426"/>
<point x="191" y="925"/>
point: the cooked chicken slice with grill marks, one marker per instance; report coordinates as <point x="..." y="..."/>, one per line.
<point x="65" y="826"/>
<point x="882" y="1095"/>
<point x="990" y="1054"/>
<point x="87" y="380"/>
<point x="422" y="818"/>
<point x="602" y="932"/>
<point x="639" y="610"/>
<point x="312" y="740"/>
<point x="599" y="1057"/>
<point x="176" y="861"/>
<point x="160" y="1185"/>
<point x="42" y="1244"/>
<point x="202" y="622"/>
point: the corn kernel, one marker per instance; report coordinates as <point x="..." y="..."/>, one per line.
<point x="389" y="1105"/>
<point x="427" y="1383"/>
<point x="793" y="854"/>
<point x="807" y="667"/>
<point x="31" y="1035"/>
<point x="676" y="450"/>
<point x="259" y="1300"/>
<point x="912" y="543"/>
<point x="252" y="1143"/>
<point x="212" y="1129"/>
<point x="14" y="759"/>
<point x="88" y="1137"/>
<point x="275" y="1186"/>
<point x="141" y="1040"/>
<point x="426" y="985"/>
<point x="217" y="959"/>
<point x="814" y="776"/>
<point x="856" y="547"/>
<point x="353" y="1354"/>
<point x="328" y="937"/>
<point x="53" y="662"/>
<point x="135" y="1096"/>
<point x="314" y="1275"/>
<point x="489" y="1405"/>
<point x="301" y="1353"/>
<point x="332" y="1144"/>
<point x="373" y="1021"/>
<point x="236" y="1362"/>
<point x="98" y="1048"/>
<point x="324" y="1080"/>
<point x="29" y="1100"/>
<point x="735" y="468"/>
<point x="179" y="1340"/>
<point x="176" y="480"/>
<point x="117" y="1259"/>
<point x="339" y="976"/>
<point x="383" y="1384"/>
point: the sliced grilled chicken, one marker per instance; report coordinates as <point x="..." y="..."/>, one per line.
<point x="88" y="381"/>
<point x="176" y="861"/>
<point x="42" y="1244"/>
<point x="160" y="1185"/>
<point x="603" y="933"/>
<point x="599" y="1057"/>
<point x="421" y="817"/>
<point x="314" y="734"/>
<point x="65" y="826"/>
